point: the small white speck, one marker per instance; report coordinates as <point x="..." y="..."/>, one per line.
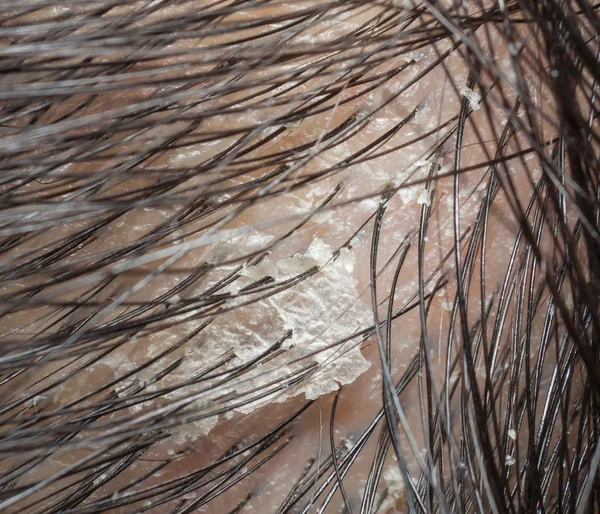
<point x="512" y="433"/>
<point x="424" y="198"/>
<point x="447" y="306"/>
<point x="472" y="97"/>
<point x="175" y="299"/>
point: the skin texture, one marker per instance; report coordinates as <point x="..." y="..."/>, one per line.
<point x="231" y="229"/>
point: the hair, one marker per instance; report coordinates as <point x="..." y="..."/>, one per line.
<point x="334" y="256"/>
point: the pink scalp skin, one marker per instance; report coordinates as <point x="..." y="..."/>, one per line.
<point x="245" y="228"/>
